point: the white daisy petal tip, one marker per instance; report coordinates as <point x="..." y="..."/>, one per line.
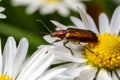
<point x="52" y="21"/>
<point x="77" y="22"/>
<point x="103" y="23"/>
<point x="23" y="46"/>
<point x="84" y="15"/>
<point x="2" y="16"/>
<point x="55" y="22"/>
<point x="10" y="38"/>
<point x="2" y="9"/>
<point x="118" y="8"/>
<point x="24" y="40"/>
<point x="59" y="25"/>
<point x="50" y="39"/>
<point x="114" y="24"/>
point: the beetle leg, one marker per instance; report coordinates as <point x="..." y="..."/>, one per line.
<point x="87" y="48"/>
<point x="67" y="46"/>
<point x="55" y="41"/>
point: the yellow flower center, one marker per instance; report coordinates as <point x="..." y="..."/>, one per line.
<point x="52" y="1"/>
<point x="106" y="52"/>
<point x="4" y="77"/>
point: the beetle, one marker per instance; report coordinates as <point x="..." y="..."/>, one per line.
<point x="75" y="35"/>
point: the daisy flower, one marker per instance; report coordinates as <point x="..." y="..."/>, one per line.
<point x="2" y="16"/>
<point x="50" y="6"/>
<point x="103" y="63"/>
<point x="14" y="66"/>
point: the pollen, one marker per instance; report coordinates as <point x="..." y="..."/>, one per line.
<point x="52" y="1"/>
<point x="4" y="77"/>
<point x="106" y="52"/>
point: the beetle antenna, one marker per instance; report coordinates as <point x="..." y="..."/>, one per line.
<point x="45" y="25"/>
<point x="38" y="33"/>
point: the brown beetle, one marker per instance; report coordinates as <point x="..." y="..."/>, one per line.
<point x="75" y="35"/>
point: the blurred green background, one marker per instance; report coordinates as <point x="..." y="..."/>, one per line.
<point x="19" y="24"/>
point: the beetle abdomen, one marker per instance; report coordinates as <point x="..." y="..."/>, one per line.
<point x="80" y="35"/>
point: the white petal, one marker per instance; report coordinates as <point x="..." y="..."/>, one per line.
<point x="103" y="75"/>
<point x="47" y="9"/>
<point x="58" y="61"/>
<point x="52" y="73"/>
<point x="1" y="63"/>
<point x="78" y="23"/>
<point x="2" y="16"/>
<point x="115" y="21"/>
<point x="114" y="76"/>
<point x="32" y="5"/>
<point x="29" y="62"/>
<point x="87" y="20"/>
<point x="9" y="54"/>
<point x="48" y="58"/>
<point x="50" y="39"/>
<point x="72" y="71"/>
<point x="31" y="9"/>
<point x="2" y="9"/>
<point x="83" y="16"/>
<point x="118" y="72"/>
<point x="20" y="56"/>
<point x="59" y="25"/>
<point x="63" y="10"/>
<point x="87" y="73"/>
<point x="103" y="23"/>
<point x="20" y="2"/>
<point x="37" y="59"/>
<point x="92" y="25"/>
<point x="72" y="26"/>
<point x="72" y="4"/>
<point x="63" y="53"/>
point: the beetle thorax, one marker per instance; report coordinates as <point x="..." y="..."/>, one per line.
<point x="60" y="34"/>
